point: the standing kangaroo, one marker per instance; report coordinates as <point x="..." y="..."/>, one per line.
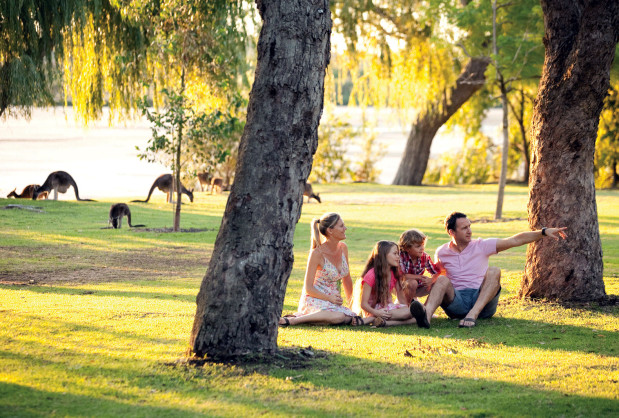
<point x="204" y="179"/>
<point x="117" y="211"/>
<point x="165" y="183"/>
<point x="27" y="193"/>
<point x="309" y="192"/>
<point x="216" y="185"/>
<point x="59" y="182"/>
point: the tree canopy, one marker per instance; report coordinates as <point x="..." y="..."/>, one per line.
<point x="111" y="52"/>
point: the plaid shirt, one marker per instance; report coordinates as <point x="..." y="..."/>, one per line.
<point x="423" y="263"/>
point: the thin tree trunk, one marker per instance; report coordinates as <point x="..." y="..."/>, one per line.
<point x="615" y="175"/>
<point x="498" y="214"/>
<point x="242" y="293"/>
<point x="177" y="165"/>
<point x="524" y="145"/>
<point x="417" y="152"/>
<point x="580" y="45"/>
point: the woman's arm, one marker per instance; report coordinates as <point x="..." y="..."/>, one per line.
<point x="347" y="285"/>
<point x="347" y="280"/>
<point x="315" y="259"/>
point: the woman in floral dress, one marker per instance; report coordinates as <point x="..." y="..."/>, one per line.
<point x="321" y="301"/>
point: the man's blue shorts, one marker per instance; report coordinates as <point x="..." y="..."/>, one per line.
<point x="465" y="299"/>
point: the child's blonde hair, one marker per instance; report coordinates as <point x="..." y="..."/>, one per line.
<point x="410" y="238"/>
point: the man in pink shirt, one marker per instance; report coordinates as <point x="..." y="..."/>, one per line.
<point x="470" y="289"/>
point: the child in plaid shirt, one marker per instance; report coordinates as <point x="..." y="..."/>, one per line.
<point x="414" y="262"/>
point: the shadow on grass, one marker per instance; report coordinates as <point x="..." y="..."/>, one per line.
<point x="18" y="401"/>
<point x="439" y="394"/>
<point x="326" y="388"/>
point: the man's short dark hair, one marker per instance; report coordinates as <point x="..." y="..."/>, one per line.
<point x="451" y="219"/>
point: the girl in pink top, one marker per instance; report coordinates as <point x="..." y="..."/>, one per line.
<point x="380" y="279"/>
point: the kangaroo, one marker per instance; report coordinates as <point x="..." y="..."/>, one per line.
<point x="117" y="211"/>
<point x="59" y="182"/>
<point x="204" y="179"/>
<point x="310" y="193"/>
<point x="216" y="182"/>
<point x="165" y="183"/>
<point x="27" y="193"/>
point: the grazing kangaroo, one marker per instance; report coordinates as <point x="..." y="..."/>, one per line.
<point x="27" y="193"/>
<point x="217" y="182"/>
<point x="204" y="179"/>
<point x="310" y="193"/>
<point x="117" y="211"/>
<point x="59" y="182"/>
<point x="165" y="183"/>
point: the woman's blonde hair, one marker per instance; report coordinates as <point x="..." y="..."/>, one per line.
<point x="382" y="270"/>
<point x="319" y="227"/>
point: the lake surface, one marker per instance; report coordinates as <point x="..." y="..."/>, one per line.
<point x="104" y="163"/>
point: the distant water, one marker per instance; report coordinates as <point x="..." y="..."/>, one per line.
<point x="103" y="159"/>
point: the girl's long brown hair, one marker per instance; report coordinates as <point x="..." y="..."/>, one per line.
<point x="382" y="269"/>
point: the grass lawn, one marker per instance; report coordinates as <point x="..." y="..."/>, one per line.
<point x="95" y="320"/>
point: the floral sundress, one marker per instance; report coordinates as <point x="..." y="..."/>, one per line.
<point x="326" y="282"/>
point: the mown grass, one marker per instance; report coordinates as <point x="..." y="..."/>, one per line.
<point x="94" y="321"/>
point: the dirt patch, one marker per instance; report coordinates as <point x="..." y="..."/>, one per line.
<point x="62" y="264"/>
<point x="164" y="230"/>
<point x="288" y="358"/>
<point x="25" y="207"/>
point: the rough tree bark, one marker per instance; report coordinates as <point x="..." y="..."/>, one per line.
<point x="580" y="42"/>
<point x="417" y="152"/>
<point x="242" y="293"/>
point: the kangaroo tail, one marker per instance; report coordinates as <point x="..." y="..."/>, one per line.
<point x="150" y="192"/>
<point x="137" y="226"/>
<point x="77" y="193"/>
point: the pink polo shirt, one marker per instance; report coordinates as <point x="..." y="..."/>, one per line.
<point x="467" y="269"/>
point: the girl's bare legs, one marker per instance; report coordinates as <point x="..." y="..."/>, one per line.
<point x="400" y="316"/>
<point x="322" y="317"/>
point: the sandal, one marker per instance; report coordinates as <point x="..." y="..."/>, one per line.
<point x="379" y="322"/>
<point x="357" y="321"/>
<point x="286" y="322"/>
<point x="467" y="323"/>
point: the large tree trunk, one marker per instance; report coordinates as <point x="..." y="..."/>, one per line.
<point x="417" y="152"/>
<point x="580" y="45"/>
<point x="242" y="293"/>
